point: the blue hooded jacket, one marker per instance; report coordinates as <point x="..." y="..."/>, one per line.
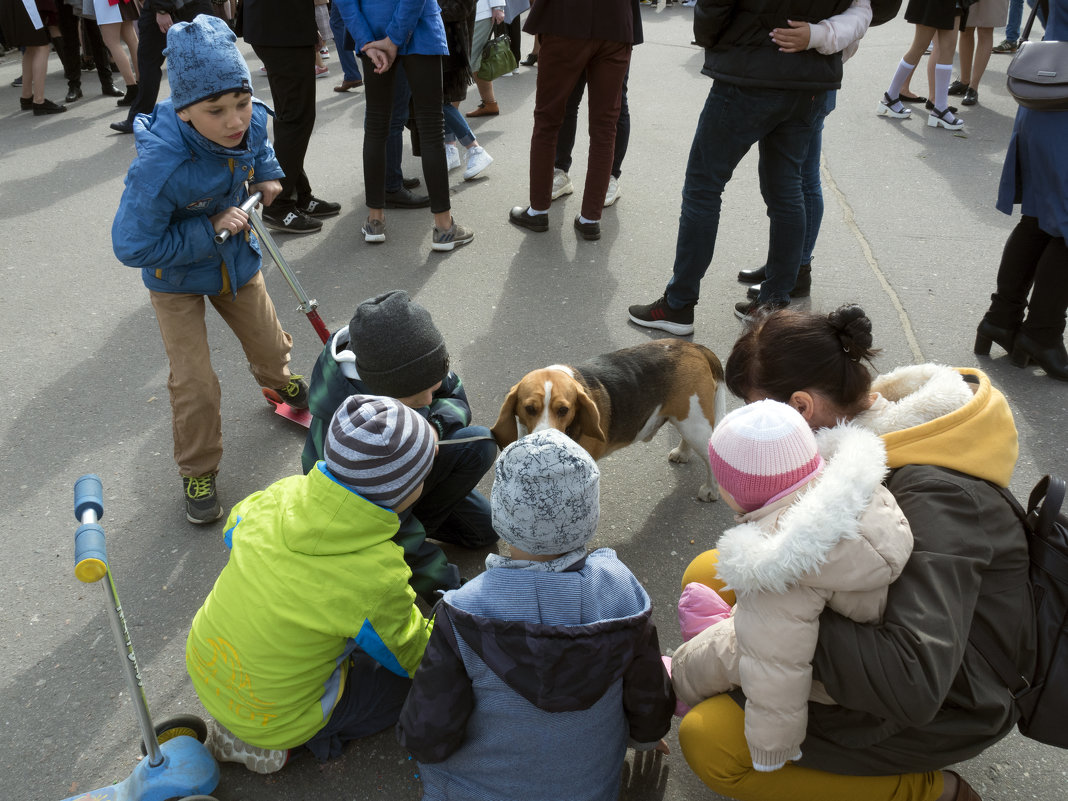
<point x="178" y="180"/>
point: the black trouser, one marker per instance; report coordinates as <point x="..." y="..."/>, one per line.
<point x="424" y="78"/>
<point x="515" y="38"/>
<point x="150" y="44"/>
<point x="70" y="54"/>
<point x="565" y="140"/>
<point x="291" y="74"/>
<point x="1032" y="264"/>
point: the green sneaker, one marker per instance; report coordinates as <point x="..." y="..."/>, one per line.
<point x="295" y="393"/>
<point x="201" y="500"/>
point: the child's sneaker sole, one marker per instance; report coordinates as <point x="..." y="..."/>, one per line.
<point x="226" y="747"/>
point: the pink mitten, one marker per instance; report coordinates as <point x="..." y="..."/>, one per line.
<point x="699" y="607"/>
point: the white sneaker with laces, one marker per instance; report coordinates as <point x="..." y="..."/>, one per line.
<point x="452" y="156"/>
<point x="225" y="746"/>
<point x="477" y="160"/>
<point x="561" y="184"/>
<point x="613" y="193"/>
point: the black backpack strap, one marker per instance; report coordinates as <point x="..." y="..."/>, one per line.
<point x="982" y="635"/>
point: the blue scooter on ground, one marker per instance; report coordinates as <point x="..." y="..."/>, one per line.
<point x="177" y="765"/>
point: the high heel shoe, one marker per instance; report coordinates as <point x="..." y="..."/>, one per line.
<point x="530" y="60"/>
<point x="1052" y="359"/>
<point x="987" y="333"/>
<point x="944" y="118"/>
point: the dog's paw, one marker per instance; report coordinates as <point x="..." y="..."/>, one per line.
<point x="708" y="493"/>
<point x="680" y="454"/>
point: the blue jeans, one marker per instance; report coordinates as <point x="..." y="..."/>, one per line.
<point x="343" y="45"/>
<point x="811" y="187"/>
<point x="456" y="127"/>
<point x="402" y="93"/>
<point x="733" y="120"/>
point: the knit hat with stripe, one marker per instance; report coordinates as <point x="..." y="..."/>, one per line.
<point x="762" y="452"/>
<point x="379" y="447"/>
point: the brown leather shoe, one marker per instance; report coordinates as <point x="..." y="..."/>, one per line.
<point x="344" y="86"/>
<point x="485" y="110"/>
<point x="964" y="790"/>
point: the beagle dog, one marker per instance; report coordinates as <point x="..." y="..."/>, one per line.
<point x="621" y="397"/>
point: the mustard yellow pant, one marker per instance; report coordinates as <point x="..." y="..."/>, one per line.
<point x="712" y="736"/>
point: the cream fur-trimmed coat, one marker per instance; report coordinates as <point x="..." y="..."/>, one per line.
<point x="839" y="541"/>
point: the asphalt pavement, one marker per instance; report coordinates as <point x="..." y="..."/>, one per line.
<point x="910" y="232"/>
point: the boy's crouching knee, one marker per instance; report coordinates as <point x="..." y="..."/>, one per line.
<point x="712" y="738"/>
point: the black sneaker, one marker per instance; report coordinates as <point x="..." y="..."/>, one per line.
<point x="290" y="220"/>
<point x="201" y="500"/>
<point x="314" y="207"/>
<point x="660" y="315"/>
<point x="802" y="287"/>
<point x="295" y="393"/>
<point x="749" y="311"/>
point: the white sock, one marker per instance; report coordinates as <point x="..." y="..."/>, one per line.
<point x="943" y="77"/>
<point x="904" y="70"/>
<point x="585" y="221"/>
<point x="534" y="213"/>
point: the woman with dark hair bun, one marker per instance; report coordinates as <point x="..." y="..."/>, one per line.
<point x="911" y="695"/>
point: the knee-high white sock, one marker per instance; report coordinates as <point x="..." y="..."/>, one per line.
<point x="904" y="70"/>
<point x="943" y="76"/>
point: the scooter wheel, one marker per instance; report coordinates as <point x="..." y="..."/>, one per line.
<point x="198" y="798"/>
<point x="178" y="726"/>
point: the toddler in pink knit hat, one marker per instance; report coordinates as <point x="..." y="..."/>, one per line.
<point x="815" y="529"/>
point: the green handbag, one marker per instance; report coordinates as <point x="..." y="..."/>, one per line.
<point x="497" y="57"/>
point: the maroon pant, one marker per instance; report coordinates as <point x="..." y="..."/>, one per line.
<point x="561" y="61"/>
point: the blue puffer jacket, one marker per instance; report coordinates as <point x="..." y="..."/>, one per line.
<point x="415" y="26"/>
<point x="178" y="180"/>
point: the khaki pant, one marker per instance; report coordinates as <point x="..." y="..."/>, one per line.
<point x="193" y="385"/>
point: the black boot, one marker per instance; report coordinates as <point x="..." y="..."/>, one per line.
<point x="110" y="90"/>
<point x="1052" y="358"/>
<point x="987" y="333"/>
<point x="74" y="91"/>
<point x="130" y="96"/>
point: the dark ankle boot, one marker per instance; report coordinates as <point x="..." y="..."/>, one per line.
<point x="987" y="333"/>
<point x="109" y="89"/>
<point x="129" y="97"/>
<point x="1052" y="358"/>
<point x="74" y="92"/>
<point x="802" y="286"/>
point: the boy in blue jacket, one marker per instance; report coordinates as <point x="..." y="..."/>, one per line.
<point x="195" y="154"/>
<point x="391" y="347"/>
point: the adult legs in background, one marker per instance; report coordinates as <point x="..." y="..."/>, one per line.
<point x="350" y="67"/>
<point x="605" y="73"/>
<point x="114" y="35"/>
<point x="402" y="95"/>
<point x="291" y="74"/>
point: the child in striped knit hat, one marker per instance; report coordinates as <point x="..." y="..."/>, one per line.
<point x="311" y="634"/>
<point x="816" y="530"/>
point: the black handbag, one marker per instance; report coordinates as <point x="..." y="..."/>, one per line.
<point x="497" y="56"/>
<point x="1037" y="77"/>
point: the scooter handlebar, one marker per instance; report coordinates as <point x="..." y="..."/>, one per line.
<point x="90" y="553"/>
<point x="247" y="207"/>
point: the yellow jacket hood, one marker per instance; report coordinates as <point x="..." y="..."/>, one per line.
<point x="947" y="417"/>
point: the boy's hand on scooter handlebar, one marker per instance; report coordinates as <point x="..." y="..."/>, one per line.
<point x="232" y="220"/>
<point x="269" y="189"/>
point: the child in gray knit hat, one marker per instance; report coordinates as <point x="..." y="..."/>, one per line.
<point x="311" y="633"/>
<point x="199" y="155"/>
<point x="549" y="658"/>
<point x="392" y="347"/>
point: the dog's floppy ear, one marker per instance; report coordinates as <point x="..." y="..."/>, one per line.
<point x="505" y="431"/>
<point x="588" y="418"/>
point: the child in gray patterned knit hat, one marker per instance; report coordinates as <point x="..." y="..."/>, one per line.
<point x="549" y="658"/>
<point x="391" y="347"/>
<point x="313" y="610"/>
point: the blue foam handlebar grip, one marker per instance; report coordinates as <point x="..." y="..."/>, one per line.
<point x="88" y="494"/>
<point x="90" y="553"/>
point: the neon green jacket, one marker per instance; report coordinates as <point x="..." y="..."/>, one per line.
<point x="312" y="575"/>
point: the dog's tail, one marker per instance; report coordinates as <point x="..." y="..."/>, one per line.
<point x="713" y="362"/>
<point x="716" y="366"/>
